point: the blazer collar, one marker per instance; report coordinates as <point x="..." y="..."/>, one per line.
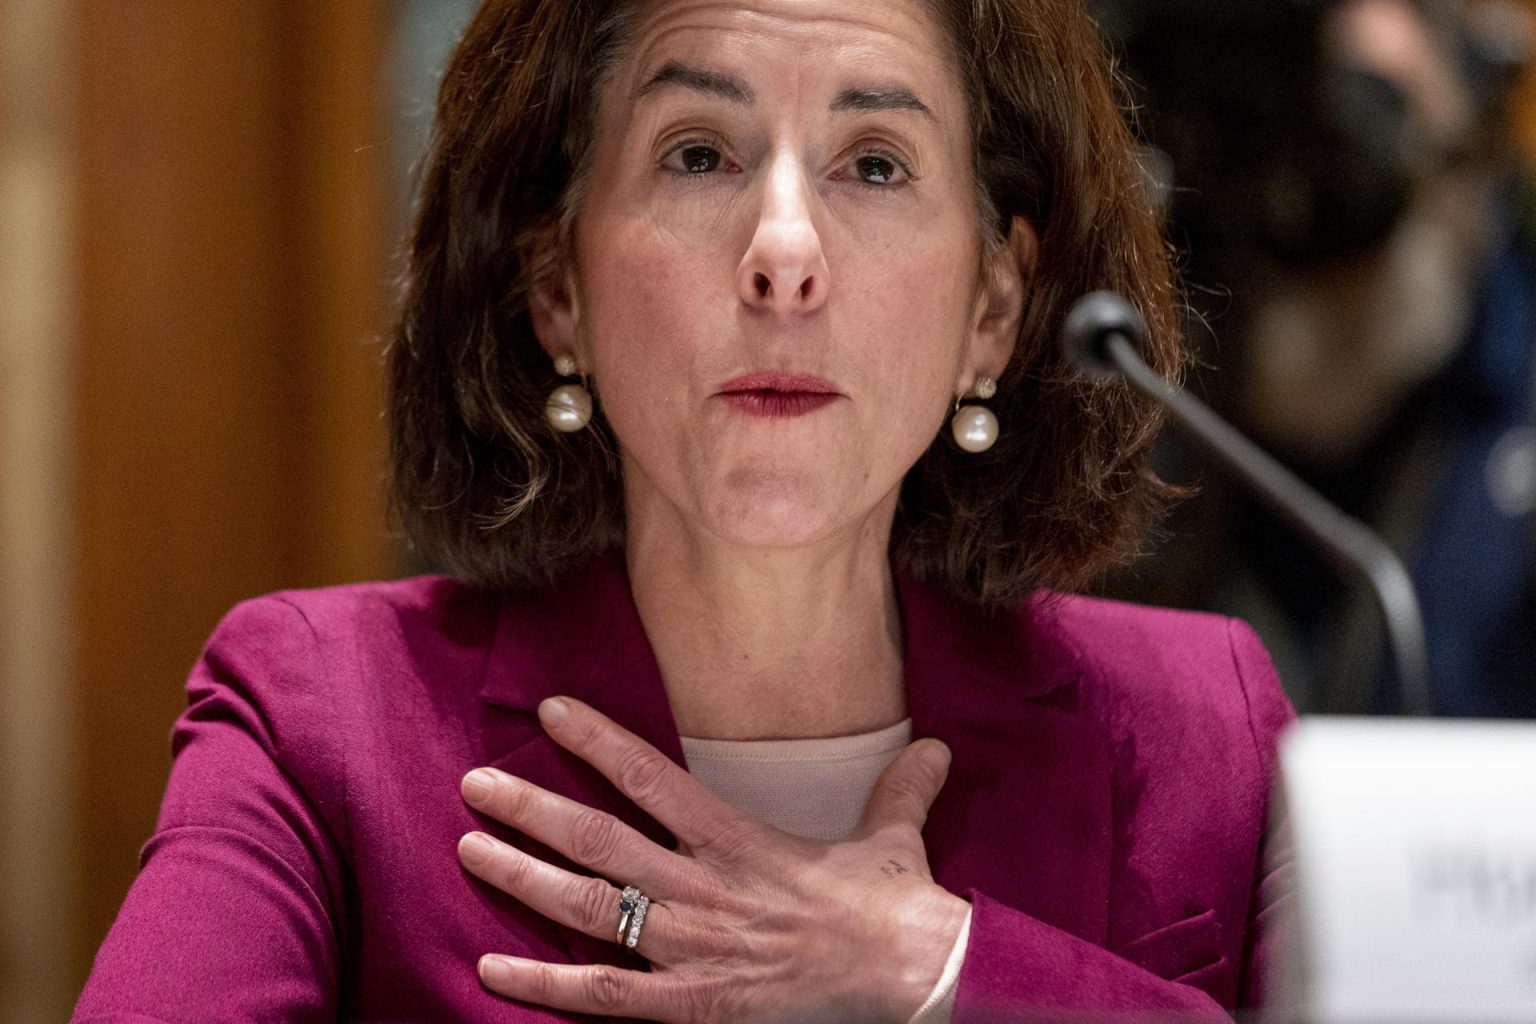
<point x="999" y="654"/>
<point x="581" y="638"/>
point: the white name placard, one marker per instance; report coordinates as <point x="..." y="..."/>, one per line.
<point x="1415" y="850"/>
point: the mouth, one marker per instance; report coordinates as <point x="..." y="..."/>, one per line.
<point x="773" y="395"/>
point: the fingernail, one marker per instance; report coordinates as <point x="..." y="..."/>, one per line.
<point x="554" y="711"/>
<point x="477" y="785"/>
<point x="495" y="971"/>
<point x="476" y="848"/>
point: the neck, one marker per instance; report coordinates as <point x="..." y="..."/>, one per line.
<point x="771" y="644"/>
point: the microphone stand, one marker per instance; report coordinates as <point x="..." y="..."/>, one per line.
<point x="1101" y="335"/>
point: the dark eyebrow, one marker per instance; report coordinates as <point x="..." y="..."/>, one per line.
<point x="713" y="83"/>
<point x="885" y="98"/>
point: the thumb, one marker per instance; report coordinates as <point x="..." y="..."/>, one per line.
<point x="908" y="786"/>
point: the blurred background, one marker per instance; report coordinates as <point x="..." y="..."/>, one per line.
<point x="200" y="203"/>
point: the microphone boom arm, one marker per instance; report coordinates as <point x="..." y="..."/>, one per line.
<point x="1348" y="544"/>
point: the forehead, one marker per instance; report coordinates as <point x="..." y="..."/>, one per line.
<point x="785" y="43"/>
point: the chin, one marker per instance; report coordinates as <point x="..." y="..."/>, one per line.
<point x="774" y="510"/>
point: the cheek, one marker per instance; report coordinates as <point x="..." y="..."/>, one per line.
<point x="913" y="319"/>
<point x="646" y="301"/>
<point x="643" y="272"/>
<point x="925" y="318"/>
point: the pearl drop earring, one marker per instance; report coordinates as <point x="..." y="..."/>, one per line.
<point x="974" y="427"/>
<point x="569" y="406"/>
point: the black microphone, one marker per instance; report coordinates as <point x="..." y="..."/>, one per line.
<point x="1103" y="335"/>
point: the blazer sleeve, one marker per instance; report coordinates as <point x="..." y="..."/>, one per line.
<point x="1018" y="968"/>
<point x="234" y="914"/>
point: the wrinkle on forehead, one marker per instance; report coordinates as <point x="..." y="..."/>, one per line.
<point x="882" y="26"/>
<point x="809" y="14"/>
<point x="866" y="43"/>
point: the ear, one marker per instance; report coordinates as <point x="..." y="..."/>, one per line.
<point x="554" y="306"/>
<point x="1006" y="273"/>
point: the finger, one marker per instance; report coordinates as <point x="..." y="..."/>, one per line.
<point x="589" y="905"/>
<point x="587" y="836"/>
<point x="907" y="788"/>
<point x="699" y="819"/>
<point x="599" y="989"/>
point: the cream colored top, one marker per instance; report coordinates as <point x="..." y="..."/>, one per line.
<point x="816" y="789"/>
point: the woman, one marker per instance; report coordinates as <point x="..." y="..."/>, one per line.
<point x="725" y="386"/>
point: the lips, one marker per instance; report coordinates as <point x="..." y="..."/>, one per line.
<point x="775" y="395"/>
<point x="773" y="380"/>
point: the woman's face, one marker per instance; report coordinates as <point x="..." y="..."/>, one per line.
<point x="778" y="286"/>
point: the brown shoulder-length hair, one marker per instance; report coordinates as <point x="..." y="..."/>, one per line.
<point x="484" y="487"/>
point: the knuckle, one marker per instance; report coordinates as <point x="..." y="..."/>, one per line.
<point x="594" y="838"/>
<point x="592" y="899"/>
<point x="543" y="983"/>
<point x="933" y="775"/>
<point x="641" y="773"/>
<point x="729" y="840"/>
<point x="588" y="732"/>
<point x="515" y="803"/>
<point x="515" y="871"/>
<point x="908" y="791"/>
<point x="605" y="988"/>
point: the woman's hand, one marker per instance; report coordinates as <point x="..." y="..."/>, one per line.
<point x="746" y="922"/>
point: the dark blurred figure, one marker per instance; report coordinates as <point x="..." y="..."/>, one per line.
<point x="1363" y="250"/>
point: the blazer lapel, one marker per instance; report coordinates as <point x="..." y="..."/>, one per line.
<point x="1026" y="815"/>
<point x="584" y="640"/>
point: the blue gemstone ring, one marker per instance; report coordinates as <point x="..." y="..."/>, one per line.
<point x="633" y="905"/>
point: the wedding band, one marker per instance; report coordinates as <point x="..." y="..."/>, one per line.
<point x="637" y="922"/>
<point x="632" y="907"/>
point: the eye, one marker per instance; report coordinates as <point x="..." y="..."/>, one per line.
<point x="695" y="158"/>
<point x="875" y="168"/>
<point x="700" y="159"/>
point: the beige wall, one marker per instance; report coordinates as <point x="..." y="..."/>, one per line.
<point x="36" y="688"/>
<point x="193" y="281"/>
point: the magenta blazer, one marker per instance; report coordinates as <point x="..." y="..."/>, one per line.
<point x="1105" y="813"/>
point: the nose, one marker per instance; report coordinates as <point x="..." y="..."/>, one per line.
<point x="784" y="269"/>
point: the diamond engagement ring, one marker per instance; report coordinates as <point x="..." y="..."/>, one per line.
<point x="633" y="905"/>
